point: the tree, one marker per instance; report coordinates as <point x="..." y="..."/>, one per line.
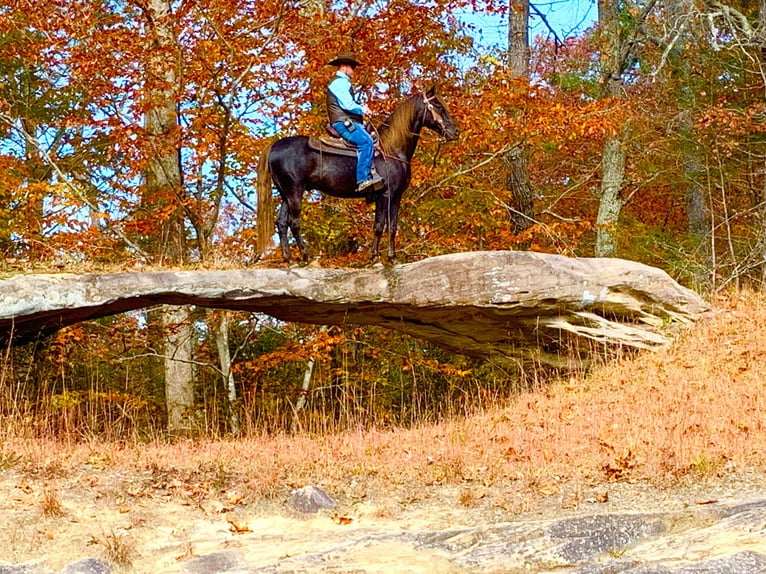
<point x="517" y="180"/>
<point x="761" y="40"/>
<point x="161" y="194"/>
<point x="620" y="32"/>
<point x="613" y="157"/>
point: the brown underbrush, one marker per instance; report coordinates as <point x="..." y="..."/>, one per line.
<point x="691" y="410"/>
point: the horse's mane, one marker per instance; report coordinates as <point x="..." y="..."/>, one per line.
<point x="397" y="129"/>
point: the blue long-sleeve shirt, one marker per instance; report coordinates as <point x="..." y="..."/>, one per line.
<point x="340" y="87"/>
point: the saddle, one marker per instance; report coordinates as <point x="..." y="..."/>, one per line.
<point x="333" y="143"/>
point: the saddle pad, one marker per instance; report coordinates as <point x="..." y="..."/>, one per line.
<point x="331" y="145"/>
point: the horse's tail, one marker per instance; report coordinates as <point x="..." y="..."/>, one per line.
<point x="264" y="225"/>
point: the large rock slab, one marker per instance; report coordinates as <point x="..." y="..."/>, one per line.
<point x="504" y="304"/>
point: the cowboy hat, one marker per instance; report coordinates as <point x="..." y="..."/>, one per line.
<point x="345" y="58"/>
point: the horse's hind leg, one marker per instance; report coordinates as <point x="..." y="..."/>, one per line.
<point x="282" y="227"/>
<point x="289" y="218"/>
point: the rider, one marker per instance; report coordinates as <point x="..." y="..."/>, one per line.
<point x="347" y="117"/>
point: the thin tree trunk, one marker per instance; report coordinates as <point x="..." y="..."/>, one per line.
<point x="224" y="357"/>
<point x="306" y="384"/>
<point x="517" y="179"/>
<point x="301" y="402"/>
<point x="762" y="212"/>
<point x="697" y="213"/>
<point x="613" y="159"/>
<point x="307" y="374"/>
<point x="38" y="173"/>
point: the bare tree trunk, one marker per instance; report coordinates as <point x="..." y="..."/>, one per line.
<point x="301" y="402"/>
<point x="610" y="201"/>
<point x="163" y="185"/>
<point x="518" y="38"/>
<point x="517" y="179"/>
<point x="38" y="173"/>
<point x="179" y="369"/>
<point x="613" y="160"/>
<point x="762" y="212"/>
<point x="697" y="213"/>
<point x="305" y="386"/>
<point x="224" y="356"/>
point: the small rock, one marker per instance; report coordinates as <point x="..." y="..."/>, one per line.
<point x="310" y="499"/>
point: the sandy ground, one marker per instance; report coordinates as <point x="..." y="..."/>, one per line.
<point x="150" y="522"/>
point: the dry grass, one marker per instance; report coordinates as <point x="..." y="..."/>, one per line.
<point x="117" y="549"/>
<point x="50" y="504"/>
<point x="693" y="409"/>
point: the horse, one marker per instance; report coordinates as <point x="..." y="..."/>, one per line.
<point x="294" y="167"/>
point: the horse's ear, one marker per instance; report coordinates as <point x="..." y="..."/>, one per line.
<point x="431" y="91"/>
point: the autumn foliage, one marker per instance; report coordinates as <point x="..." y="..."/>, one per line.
<point x="75" y="80"/>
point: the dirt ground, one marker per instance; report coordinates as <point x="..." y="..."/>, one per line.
<point x="155" y="522"/>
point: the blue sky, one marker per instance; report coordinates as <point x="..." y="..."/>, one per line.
<point x="567" y="18"/>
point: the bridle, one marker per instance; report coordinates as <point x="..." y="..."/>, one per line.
<point x="438" y="118"/>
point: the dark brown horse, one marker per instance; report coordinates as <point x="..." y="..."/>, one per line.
<point x="294" y="167"/>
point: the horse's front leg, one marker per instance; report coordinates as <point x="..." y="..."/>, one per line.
<point x="378" y="227"/>
<point x="374" y="253"/>
<point x="393" y="226"/>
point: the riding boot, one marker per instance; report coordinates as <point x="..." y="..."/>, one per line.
<point x="375" y="183"/>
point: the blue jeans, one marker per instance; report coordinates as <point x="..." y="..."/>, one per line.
<point x="359" y="137"/>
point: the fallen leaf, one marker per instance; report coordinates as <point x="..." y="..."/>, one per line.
<point x="235" y="498"/>
<point x="187" y="554"/>
<point x="237" y="527"/>
<point x="25" y="487"/>
<point x="342" y="520"/>
<point x="47" y="533"/>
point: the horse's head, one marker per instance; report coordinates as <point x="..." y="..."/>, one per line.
<point x="436" y="116"/>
